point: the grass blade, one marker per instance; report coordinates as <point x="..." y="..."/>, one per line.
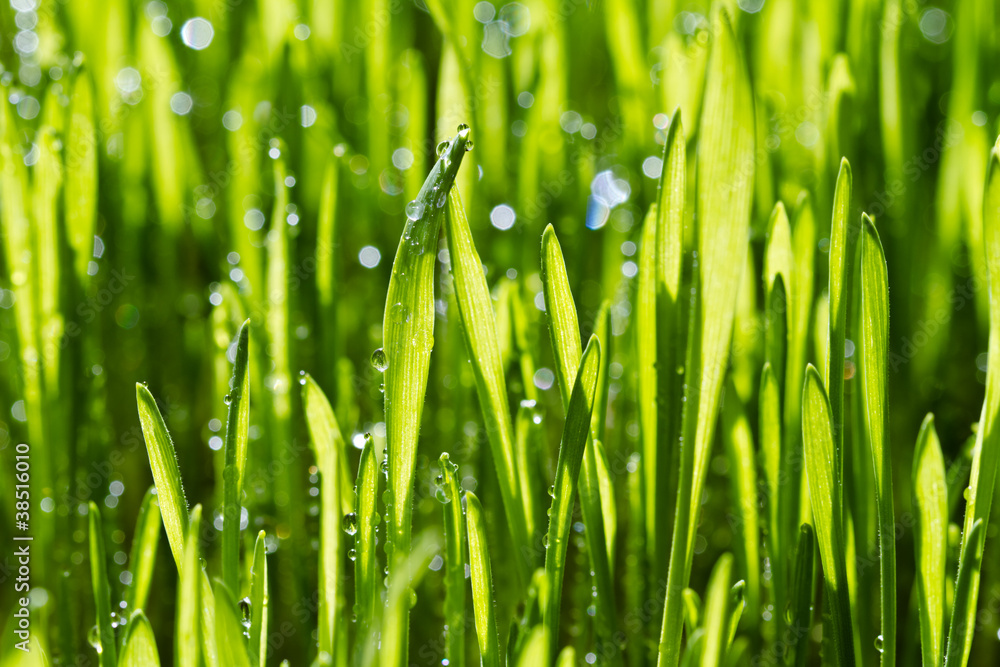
<point x="81" y="176"/>
<point x="166" y="474"/>
<point x="874" y="362"/>
<point x="801" y="595"/>
<point x="724" y="187"/>
<point x="392" y="649"/>
<point x="237" y="426"/>
<point x="366" y="557"/>
<point x="931" y="504"/>
<point x="258" y="603"/>
<point x="102" y="592"/>
<point x="187" y="626"/>
<point x="965" y="607"/>
<point x="987" y="449"/>
<point x="408" y="335"/>
<point x="328" y="445"/>
<point x="482" y="584"/>
<point x="454" y="563"/>
<point x="536" y="648"/>
<point x="564" y="331"/>
<point x="571" y="450"/>
<point x="717" y="612"/>
<point x="140" y="644"/>
<point x="143" y="554"/>
<point x="229" y="630"/>
<point x="824" y="473"/>
<point x="843" y="244"/>
<point x="475" y="308"/>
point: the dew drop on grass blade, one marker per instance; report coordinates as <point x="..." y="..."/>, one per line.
<point x="874" y="368"/>
<point x="187" y="628"/>
<point x="140" y="644"/>
<point x="105" y="645"/>
<point x="142" y="558"/>
<point x="825" y="477"/>
<point x="475" y="308"/>
<point x="237" y="426"/>
<point x="408" y="335"/>
<point x="571" y="452"/>
<point x="724" y="186"/>
<point x="328" y="447"/>
<point x="258" y="603"/>
<point x="987" y="450"/>
<point x="930" y="499"/>
<point x="482" y="584"/>
<point x="454" y="563"/>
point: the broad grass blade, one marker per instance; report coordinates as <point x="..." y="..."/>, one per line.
<point x="482" y="584"/>
<point x="930" y="494"/>
<point x="824" y="473"/>
<point x="140" y="644"/>
<point x="874" y="367"/>
<point x="102" y="592"/>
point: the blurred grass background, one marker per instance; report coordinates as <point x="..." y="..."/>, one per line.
<point x="167" y="170"/>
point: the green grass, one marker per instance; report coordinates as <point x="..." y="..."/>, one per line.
<point x="627" y="333"/>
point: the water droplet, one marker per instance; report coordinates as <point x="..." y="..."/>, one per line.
<point x="468" y="145"/>
<point x="413" y="597"/>
<point x="967" y="493"/>
<point x="442" y="496"/>
<point x="552" y="491"/>
<point x="442" y="147"/>
<point x="94" y="639"/>
<point x="463" y="128"/>
<point x="352" y="554"/>
<point x="246" y="609"/>
<point x="379" y="361"/>
<point x="879" y="643"/>
<point x="545" y="541"/>
<point x="414" y="210"/>
<point x="399" y="313"/>
<point x="350" y="523"/>
<point x="228" y="399"/>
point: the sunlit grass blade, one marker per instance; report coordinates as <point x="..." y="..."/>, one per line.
<point x="140" y="644"/>
<point x="408" y="336"/>
<point x="482" y="584"/>
<point x="987" y="450"/>
<point x="737" y="604"/>
<point x="166" y="474"/>
<point x="874" y="368"/>
<point x="843" y="244"/>
<point x="258" y="603"/>
<point x="237" y="426"/>
<point x="609" y="506"/>
<point x="229" y="630"/>
<point x="824" y="473"/>
<point x="102" y="592"/>
<point x="399" y="599"/>
<point x="965" y="608"/>
<point x="187" y="628"/>
<point x="328" y="446"/>
<point x="801" y="595"/>
<point x="81" y="175"/>
<point x="454" y="564"/>
<point x="738" y="441"/>
<point x="692" y="610"/>
<point x="142" y="557"/>
<point x="536" y="648"/>
<point x="930" y="492"/>
<point x="717" y="612"/>
<point x="475" y="307"/>
<point x="571" y="451"/>
<point x="366" y="575"/>
<point x="724" y="188"/>
<point x="653" y="459"/>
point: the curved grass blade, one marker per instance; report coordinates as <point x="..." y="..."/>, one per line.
<point x="564" y="331"/>
<point x="987" y="450"/>
<point x="717" y="615"/>
<point x="874" y="363"/>
<point x="408" y="335"/>
<point x="237" y="426"/>
<point x="229" y="631"/>
<point x="258" y="603"/>
<point x="143" y="554"/>
<point x="328" y="446"/>
<point x="824" y="474"/>
<point x="930" y="491"/>
<point x="571" y="450"/>
<point x="482" y="584"/>
<point x="102" y="592"/>
<point x="187" y="627"/>
<point x="166" y="474"/>
<point x="140" y="644"/>
<point x="475" y="308"/>
<point x="454" y="564"/>
<point x="724" y="188"/>
<point x="801" y="595"/>
<point x="366" y="557"/>
<point x="965" y="607"/>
